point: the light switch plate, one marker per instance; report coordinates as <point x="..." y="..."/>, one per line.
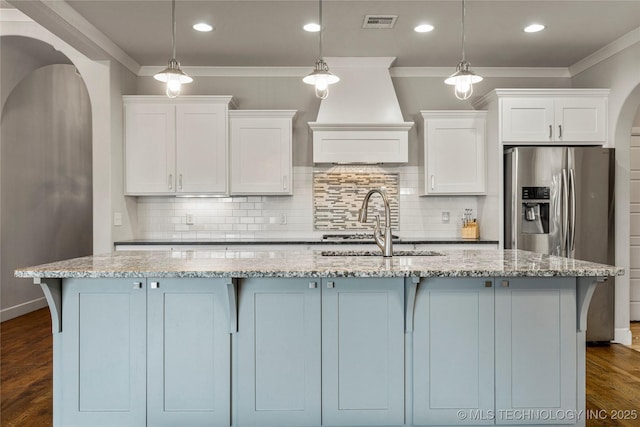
<point x="117" y="219"/>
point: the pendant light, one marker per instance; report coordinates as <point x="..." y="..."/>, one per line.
<point x="173" y="76"/>
<point x="463" y="79"/>
<point x="321" y="77"/>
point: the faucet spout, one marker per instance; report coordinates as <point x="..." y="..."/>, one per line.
<point x="383" y="240"/>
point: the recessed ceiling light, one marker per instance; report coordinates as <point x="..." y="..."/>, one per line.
<point x="312" y="27"/>
<point x="203" y="27"/>
<point x="423" y="28"/>
<point x="534" y="28"/>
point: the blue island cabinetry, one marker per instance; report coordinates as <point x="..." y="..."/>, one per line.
<point x="253" y="339"/>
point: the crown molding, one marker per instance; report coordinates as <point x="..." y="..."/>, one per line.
<point x="443" y="72"/>
<point x="439" y="72"/>
<point x="616" y="46"/>
<point x="147" y="71"/>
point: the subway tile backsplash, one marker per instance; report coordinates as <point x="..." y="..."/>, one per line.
<point x="292" y="216"/>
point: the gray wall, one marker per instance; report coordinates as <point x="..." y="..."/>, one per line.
<point x="46" y="177"/>
<point x="414" y="94"/>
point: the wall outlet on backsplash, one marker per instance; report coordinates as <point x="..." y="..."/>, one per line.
<point x="445" y="217"/>
<point x="189" y="219"/>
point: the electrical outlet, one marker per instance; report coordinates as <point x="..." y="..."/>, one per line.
<point x="189" y="219"/>
<point x="283" y="219"/>
<point x="117" y="219"/>
<point x="445" y="217"/>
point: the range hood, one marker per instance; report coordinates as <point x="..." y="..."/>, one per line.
<point x="361" y="121"/>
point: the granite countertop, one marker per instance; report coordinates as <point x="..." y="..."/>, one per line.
<point x="300" y="241"/>
<point x="310" y="263"/>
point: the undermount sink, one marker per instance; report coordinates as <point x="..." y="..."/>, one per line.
<point x="379" y="253"/>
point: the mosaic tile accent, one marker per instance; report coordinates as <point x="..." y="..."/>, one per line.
<point x="338" y="195"/>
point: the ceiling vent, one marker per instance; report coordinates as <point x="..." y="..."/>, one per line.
<point x="379" y="21"/>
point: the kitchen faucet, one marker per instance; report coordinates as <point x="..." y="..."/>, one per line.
<point x="384" y="243"/>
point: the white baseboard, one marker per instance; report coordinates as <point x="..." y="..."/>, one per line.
<point x="24" y="308"/>
<point x="622" y="336"/>
<point x="635" y="311"/>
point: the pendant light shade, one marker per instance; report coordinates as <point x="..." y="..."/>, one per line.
<point x="173" y="76"/>
<point x="321" y="77"/>
<point x="463" y="79"/>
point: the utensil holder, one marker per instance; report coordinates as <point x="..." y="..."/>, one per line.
<point x="471" y="231"/>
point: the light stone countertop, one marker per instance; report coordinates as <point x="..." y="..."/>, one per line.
<point x="311" y="263"/>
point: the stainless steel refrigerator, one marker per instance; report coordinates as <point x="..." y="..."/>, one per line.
<point x="559" y="201"/>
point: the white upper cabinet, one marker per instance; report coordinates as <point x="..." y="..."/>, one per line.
<point x="454" y="155"/>
<point x="176" y="146"/>
<point x="261" y="152"/>
<point x="554" y="116"/>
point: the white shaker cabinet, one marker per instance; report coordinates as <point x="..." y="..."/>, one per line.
<point x="176" y="146"/>
<point x="453" y="353"/>
<point x="553" y="116"/>
<point x="139" y="352"/>
<point x="454" y="154"/>
<point x="261" y="152"/>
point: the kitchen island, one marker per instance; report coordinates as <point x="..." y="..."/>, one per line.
<point x="302" y="338"/>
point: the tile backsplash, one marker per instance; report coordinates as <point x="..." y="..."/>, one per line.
<point x="293" y="216"/>
<point x="338" y="194"/>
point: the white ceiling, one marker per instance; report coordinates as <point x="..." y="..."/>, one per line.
<point x="269" y="33"/>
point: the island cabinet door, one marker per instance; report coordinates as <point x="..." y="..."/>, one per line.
<point x="189" y="372"/>
<point x="536" y="351"/>
<point x="453" y="338"/>
<point x="363" y="351"/>
<point x="278" y="352"/>
<point x="102" y="357"/>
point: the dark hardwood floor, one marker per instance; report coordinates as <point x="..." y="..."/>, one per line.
<point x="613" y="377"/>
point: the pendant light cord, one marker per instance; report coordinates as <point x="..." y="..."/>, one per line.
<point x="320" y="19"/>
<point x="463" y="13"/>
<point x="173" y="20"/>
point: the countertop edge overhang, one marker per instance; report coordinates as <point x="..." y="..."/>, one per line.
<point x="302" y="264"/>
<point x="301" y="241"/>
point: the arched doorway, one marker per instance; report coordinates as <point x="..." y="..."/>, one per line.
<point x="45" y="166"/>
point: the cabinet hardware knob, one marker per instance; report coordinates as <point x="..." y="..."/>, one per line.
<point x="313" y="285"/>
<point x="433" y="182"/>
<point x="170" y="181"/>
<point x="137" y="285"/>
<point x="487" y="283"/>
<point x="505" y="283"/>
<point x="284" y="182"/>
<point x="180" y="181"/>
<point x="155" y="285"/>
<point x="330" y="285"/>
<point x="560" y="131"/>
<point x="550" y="131"/>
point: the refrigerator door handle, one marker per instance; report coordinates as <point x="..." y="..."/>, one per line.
<point x="564" y="243"/>
<point x="572" y="222"/>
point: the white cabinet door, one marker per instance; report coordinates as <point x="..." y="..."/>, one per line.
<point x="535" y="350"/>
<point x="201" y="148"/>
<point x="101" y="363"/>
<point x="454" y="153"/>
<point x="188" y="351"/>
<point x="362" y="352"/>
<point x="527" y="119"/>
<point x="581" y="119"/>
<point x="260" y="144"/>
<point x="279" y="352"/>
<point x="568" y="119"/>
<point x="150" y="148"/>
<point x="453" y="356"/>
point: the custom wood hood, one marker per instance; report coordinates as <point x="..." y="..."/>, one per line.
<point x="360" y="121"/>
